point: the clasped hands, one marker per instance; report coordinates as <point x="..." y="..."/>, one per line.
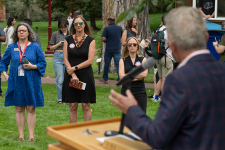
<point x="122" y="102"/>
<point x="70" y="71"/>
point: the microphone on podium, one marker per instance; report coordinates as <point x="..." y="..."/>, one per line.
<point x="126" y="80"/>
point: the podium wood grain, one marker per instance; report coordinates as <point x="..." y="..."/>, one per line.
<point x="71" y="136"/>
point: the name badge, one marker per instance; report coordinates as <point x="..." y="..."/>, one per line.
<point x="16" y="49"/>
<point x="20" y="71"/>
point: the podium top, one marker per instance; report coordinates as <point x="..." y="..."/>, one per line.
<point x="74" y="136"/>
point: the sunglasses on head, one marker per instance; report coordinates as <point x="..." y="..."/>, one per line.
<point x="80" y="23"/>
<point x="130" y="44"/>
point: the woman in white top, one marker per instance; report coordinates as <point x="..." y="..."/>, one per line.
<point x="9" y="30"/>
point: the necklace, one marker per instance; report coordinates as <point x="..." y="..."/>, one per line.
<point x="78" y="43"/>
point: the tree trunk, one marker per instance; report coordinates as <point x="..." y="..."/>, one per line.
<point x="114" y="8"/>
<point x="28" y="8"/>
<point x="92" y="22"/>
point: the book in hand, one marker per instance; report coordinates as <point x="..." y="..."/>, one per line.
<point x="80" y="86"/>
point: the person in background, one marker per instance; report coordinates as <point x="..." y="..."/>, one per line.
<point x="156" y="75"/>
<point x="131" y="58"/>
<point x="78" y="55"/>
<point x="9" y="31"/>
<point x="70" y="16"/>
<point x="111" y="35"/>
<point x="191" y="113"/>
<point x="56" y="44"/>
<point x="207" y="8"/>
<point x="76" y="13"/>
<point x="2" y="39"/>
<point x="130" y="30"/>
<point x="28" y="21"/>
<point x="220" y="49"/>
<point x="24" y="80"/>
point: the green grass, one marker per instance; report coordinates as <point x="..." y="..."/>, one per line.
<point x="55" y="114"/>
<point x="154" y="20"/>
<point x="43" y="33"/>
<point x="50" y="72"/>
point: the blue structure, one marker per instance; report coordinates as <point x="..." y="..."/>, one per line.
<point x="215" y="31"/>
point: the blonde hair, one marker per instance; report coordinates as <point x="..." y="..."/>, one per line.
<point x="87" y="29"/>
<point x="125" y="52"/>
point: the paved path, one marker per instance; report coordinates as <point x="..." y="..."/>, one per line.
<point x="97" y="82"/>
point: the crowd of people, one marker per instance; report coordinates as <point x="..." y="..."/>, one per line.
<point x="188" y="113"/>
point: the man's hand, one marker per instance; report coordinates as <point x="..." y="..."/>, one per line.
<point x="207" y="17"/>
<point x="122" y="102"/>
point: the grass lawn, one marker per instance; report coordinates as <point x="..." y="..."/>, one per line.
<point x="55" y="114"/>
<point x="154" y="20"/>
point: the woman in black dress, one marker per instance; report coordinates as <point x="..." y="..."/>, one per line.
<point x="78" y="55"/>
<point x="131" y="58"/>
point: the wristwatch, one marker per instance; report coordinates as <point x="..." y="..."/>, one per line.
<point x="76" y="68"/>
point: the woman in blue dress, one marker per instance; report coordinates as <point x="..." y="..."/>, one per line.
<point x="24" y="80"/>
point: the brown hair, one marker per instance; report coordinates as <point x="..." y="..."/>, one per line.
<point x="63" y="23"/>
<point x="129" y="25"/>
<point x="77" y="12"/>
<point x="87" y="29"/>
<point x="125" y="52"/>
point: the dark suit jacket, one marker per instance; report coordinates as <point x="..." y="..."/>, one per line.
<point x="191" y="115"/>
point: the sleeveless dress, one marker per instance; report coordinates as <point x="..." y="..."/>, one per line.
<point x="130" y="34"/>
<point x="137" y="87"/>
<point x="77" y="55"/>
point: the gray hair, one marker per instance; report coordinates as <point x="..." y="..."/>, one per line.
<point x="31" y="36"/>
<point x="186" y="28"/>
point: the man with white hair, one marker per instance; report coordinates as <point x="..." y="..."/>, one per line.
<point x="191" y="113"/>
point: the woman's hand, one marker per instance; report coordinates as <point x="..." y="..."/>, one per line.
<point x="29" y="66"/>
<point x="5" y="76"/>
<point x="134" y="30"/>
<point x="70" y="70"/>
<point x="75" y="79"/>
<point x="60" y="43"/>
<point x="147" y="42"/>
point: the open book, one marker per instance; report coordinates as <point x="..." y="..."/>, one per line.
<point x="80" y="86"/>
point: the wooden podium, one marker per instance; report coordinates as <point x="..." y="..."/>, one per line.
<point x="74" y="136"/>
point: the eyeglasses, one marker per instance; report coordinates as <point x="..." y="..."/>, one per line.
<point x="130" y="44"/>
<point x="23" y="31"/>
<point x="80" y="23"/>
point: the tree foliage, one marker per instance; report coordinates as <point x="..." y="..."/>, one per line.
<point x="86" y="6"/>
<point x="139" y="7"/>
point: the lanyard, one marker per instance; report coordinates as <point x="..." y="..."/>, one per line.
<point x="23" y="50"/>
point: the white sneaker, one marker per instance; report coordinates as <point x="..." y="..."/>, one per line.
<point x="155" y="100"/>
